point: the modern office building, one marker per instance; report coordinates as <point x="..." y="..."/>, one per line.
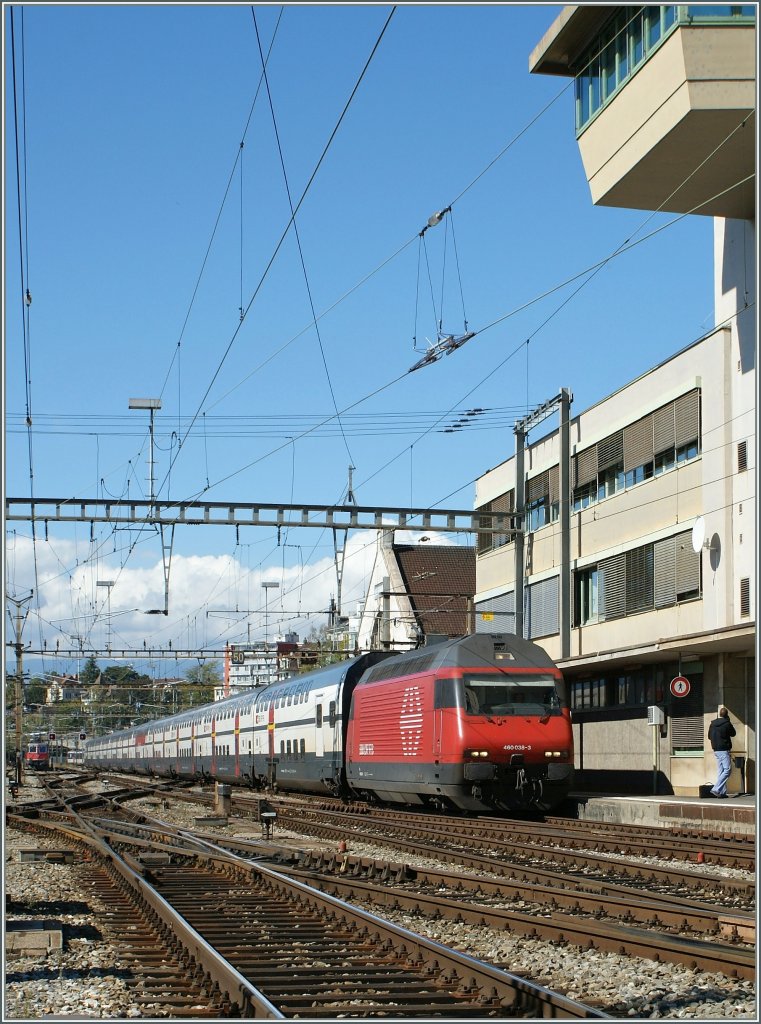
<point x="647" y="599"/>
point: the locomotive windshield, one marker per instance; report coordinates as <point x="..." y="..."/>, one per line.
<point x="487" y="694"/>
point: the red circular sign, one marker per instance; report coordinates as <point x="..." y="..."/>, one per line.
<point x="680" y="686"/>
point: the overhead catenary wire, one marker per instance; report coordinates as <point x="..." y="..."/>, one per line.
<point x="207" y="477"/>
<point x="298" y="236"/>
<point x="296" y="208"/>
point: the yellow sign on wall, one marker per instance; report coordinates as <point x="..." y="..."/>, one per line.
<point x="487" y="616"/>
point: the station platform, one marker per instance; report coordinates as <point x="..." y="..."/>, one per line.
<point x="735" y="814"/>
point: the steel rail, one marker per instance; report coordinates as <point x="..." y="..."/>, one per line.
<point x="655" y="910"/>
<point x="514" y="993"/>
<point x="625" y="940"/>
<point x="237" y="989"/>
<point x="605" y="866"/>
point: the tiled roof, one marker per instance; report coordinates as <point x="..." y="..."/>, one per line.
<point x="439" y="581"/>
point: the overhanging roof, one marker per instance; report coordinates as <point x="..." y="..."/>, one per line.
<point x="567" y="36"/>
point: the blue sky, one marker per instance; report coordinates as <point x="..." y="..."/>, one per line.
<point x="134" y="116"/>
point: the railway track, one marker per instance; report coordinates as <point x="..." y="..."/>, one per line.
<point x="261" y="944"/>
<point x="609" y="918"/>
<point x="508" y="854"/>
<point x="584" y="912"/>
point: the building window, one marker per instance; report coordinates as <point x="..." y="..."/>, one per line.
<point x="543" y="498"/>
<point x="586" y="591"/>
<point x="630" y="36"/>
<point x="649" y="577"/>
<point x="649" y="447"/>
<point x="541" y="613"/>
<point x="498" y="506"/>
<point x="496" y="615"/>
<point x="610" y="481"/>
<point x="584" y="496"/>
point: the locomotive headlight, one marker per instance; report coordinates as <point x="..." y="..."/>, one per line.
<point x="556" y="753"/>
<point x="476" y="753"/>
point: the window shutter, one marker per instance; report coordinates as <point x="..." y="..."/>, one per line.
<point x="745" y="596"/>
<point x="503" y="609"/>
<point x="639" y="578"/>
<point x="638" y="443"/>
<point x="613" y="597"/>
<point x="485" y="540"/>
<point x="664" y="573"/>
<point x="663" y="429"/>
<point x="687" y="565"/>
<point x="742" y="456"/>
<point x="501" y="506"/>
<point x="687" y="418"/>
<point x="586" y="466"/>
<point x="554" y="484"/>
<point x="610" y="450"/>
<point x="542" y="608"/>
<point x="537" y="486"/>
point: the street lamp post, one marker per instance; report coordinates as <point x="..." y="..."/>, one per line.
<point x="151" y="404"/>
<point x="267" y="585"/>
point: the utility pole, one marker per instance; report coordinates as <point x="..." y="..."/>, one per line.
<point x="18" y="646"/>
<point x="562" y="401"/>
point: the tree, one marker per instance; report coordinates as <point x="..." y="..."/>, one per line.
<point x="205" y="673"/>
<point x="203" y="677"/>
<point x="90" y="672"/>
<point x="35" y="691"/>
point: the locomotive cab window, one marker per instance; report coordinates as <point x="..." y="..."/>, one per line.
<point x="485" y="695"/>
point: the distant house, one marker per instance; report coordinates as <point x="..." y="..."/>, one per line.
<point x="417" y="592"/>
<point x="64" y="688"/>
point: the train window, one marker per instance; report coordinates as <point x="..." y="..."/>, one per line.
<point x="318" y="716"/>
<point x="288" y="748"/>
<point x="289" y="700"/>
<point x="282" y="746"/>
<point x="332" y="714"/>
<point x="490" y="694"/>
<point x="302" y="746"/>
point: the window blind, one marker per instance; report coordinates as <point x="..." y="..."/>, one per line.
<point x="503" y="610"/>
<point x="586" y="466"/>
<point x="687" y="418"/>
<point x="541" y="618"/>
<point x="610" y="450"/>
<point x="638" y="443"/>
<point x="613" y="596"/>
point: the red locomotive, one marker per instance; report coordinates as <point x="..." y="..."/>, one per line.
<point x="37" y="753"/>
<point x="478" y="723"/>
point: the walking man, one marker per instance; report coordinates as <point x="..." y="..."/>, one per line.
<point x="720" y="733"/>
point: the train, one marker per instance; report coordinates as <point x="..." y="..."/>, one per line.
<point x="479" y="723"/>
<point x="37" y="753"/>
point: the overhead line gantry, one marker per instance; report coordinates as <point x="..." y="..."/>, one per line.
<point x="127" y="511"/>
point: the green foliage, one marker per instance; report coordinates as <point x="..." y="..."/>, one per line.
<point x="35" y="691"/>
<point x="207" y="673"/>
<point x="90" y="672"/>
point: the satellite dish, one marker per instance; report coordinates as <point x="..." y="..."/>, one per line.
<point x="698" y="534"/>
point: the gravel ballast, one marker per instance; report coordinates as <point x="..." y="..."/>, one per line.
<point x="87" y="979"/>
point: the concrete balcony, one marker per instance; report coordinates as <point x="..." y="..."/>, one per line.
<point x="679" y="134"/>
<point x="682" y="130"/>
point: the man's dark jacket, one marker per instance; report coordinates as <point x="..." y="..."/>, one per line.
<point x="720" y="733"/>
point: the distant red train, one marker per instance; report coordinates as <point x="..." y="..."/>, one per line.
<point x="37" y="753"/>
<point x="479" y="723"/>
